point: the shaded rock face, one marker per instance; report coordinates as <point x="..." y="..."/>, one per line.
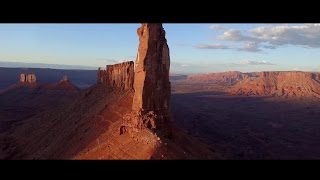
<point x="288" y="84"/>
<point x="28" y="78"/>
<point x="118" y="75"/>
<point x="151" y="79"/>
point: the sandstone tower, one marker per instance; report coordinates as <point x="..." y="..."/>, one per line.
<point x="151" y="80"/>
<point x="23" y="78"/>
<point x="31" y="78"/>
<point x="65" y="78"/>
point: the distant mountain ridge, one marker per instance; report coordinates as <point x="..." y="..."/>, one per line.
<point x="43" y="65"/>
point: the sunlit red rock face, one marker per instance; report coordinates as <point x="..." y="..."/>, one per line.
<point x="117" y="75"/>
<point x="288" y="84"/>
<point x="151" y="81"/>
<point x="230" y="77"/>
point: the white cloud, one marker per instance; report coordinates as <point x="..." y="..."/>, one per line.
<point x="250" y="62"/>
<point x="217" y="27"/>
<point x="233" y="35"/>
<point x="272" y="37"/>
<point x="251" y="47"/>
<point x="185" y="65"/>
<point x="212" y="46"/>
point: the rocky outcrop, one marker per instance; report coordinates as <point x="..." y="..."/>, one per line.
<point x="101" y="76"/>
<point x="28" y="78"/>
<point x="65" y="78"/>
<point x="151" y="81"/>
<point x="117" y="76"/>
<point x="230" y="77"/>
<point x="31" y="78"/>
<point x="288" y="84"/>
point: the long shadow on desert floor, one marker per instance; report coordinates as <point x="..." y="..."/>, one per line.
<point x="250" y="127"/>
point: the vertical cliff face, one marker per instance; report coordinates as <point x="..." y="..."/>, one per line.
<point x="120" y="75"/>
<point x="151" y="79"/>
<point x="117" y="76"/>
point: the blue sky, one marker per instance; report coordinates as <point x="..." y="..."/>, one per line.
<point x="194" y="48"/>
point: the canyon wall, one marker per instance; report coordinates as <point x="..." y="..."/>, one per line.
<point x="117" y="76"/>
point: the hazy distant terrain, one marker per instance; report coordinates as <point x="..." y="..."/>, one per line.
<point x="80" y="78"/>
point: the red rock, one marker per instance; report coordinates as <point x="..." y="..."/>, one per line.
<point x="151" y="81"/>
<point x="288" y="84"/>
<point x="117" y="76"/>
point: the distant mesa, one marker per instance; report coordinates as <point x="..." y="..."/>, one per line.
<point x="284" y="84"/>
<point x="28" y="83"/>
<point x="65" y="86"/>
<point x="28" y="78"/>
<point x="230" y="77"/>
